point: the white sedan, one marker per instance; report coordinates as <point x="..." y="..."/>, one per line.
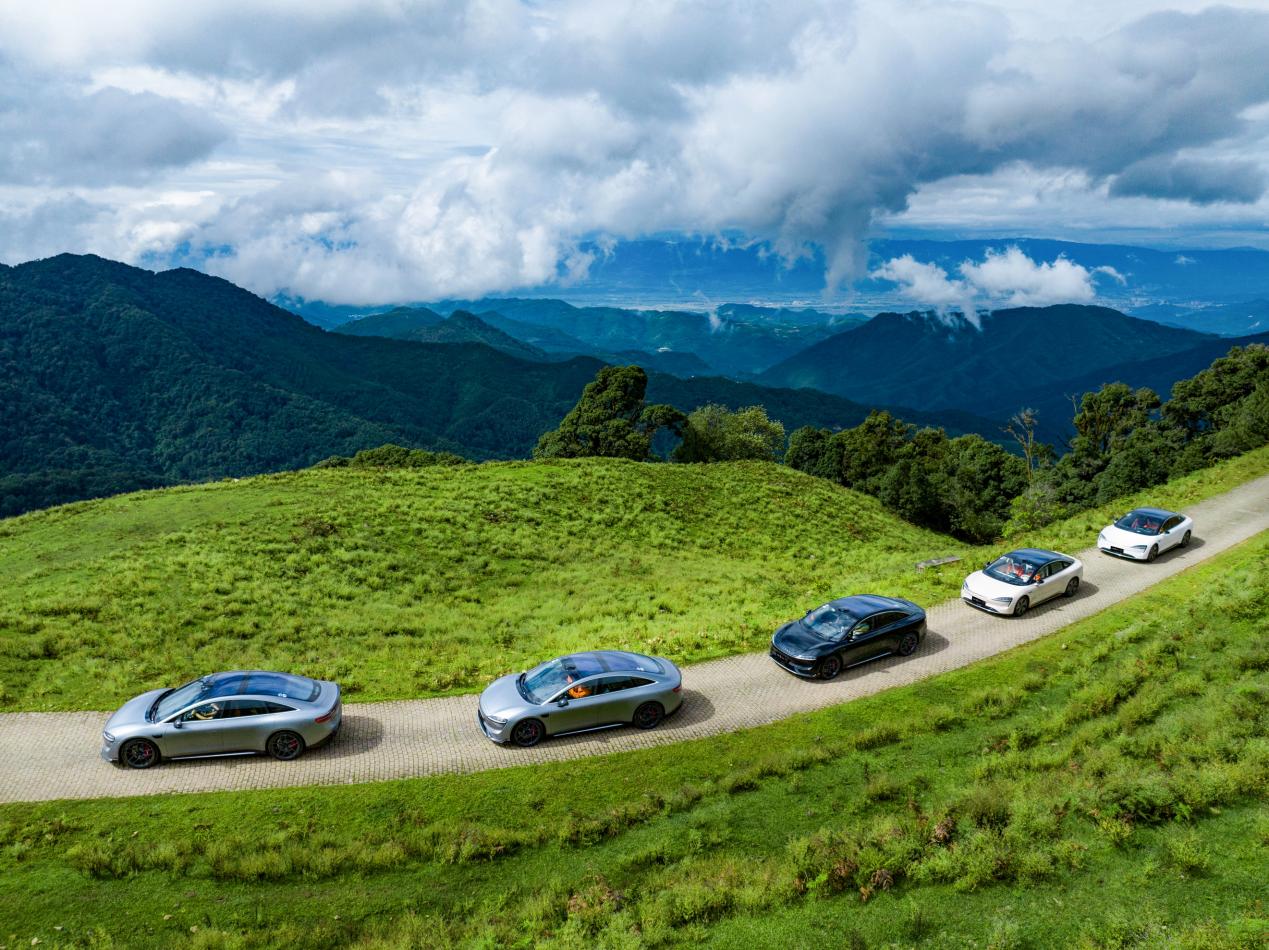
<point x="1017" y="581"/>
<point x="1145" y="533"/>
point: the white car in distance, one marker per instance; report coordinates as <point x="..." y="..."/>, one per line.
<point x="1145" y="533"/>
<point x="1015" y="582"/>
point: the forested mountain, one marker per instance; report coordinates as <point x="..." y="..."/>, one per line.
<point x="992" y="370"/>
<point x="425" y="326"/>
<point x="114" y="378"/>
<point x="734" y="341"/>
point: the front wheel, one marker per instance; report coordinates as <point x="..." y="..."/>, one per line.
<point x="139" y="754"/>
<point x="1185" y="541"/>
<point x="285" y="746"/>
<point x="1154" y="553"/>
<point x="649" y="715"/>
<point x="1021" y="608"/>
<point x="830" y="667"/>
<point x="528" y="732"/>
<point x="908" y="644"/>
<point x="1072" y="587"/>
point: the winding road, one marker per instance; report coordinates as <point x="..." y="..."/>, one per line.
<point x="48" y="756"/>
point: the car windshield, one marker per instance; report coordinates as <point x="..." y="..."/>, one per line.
<point x="177" y="699"/>
<point x="544" y="681"/>
<point x="1140" y="522"/>
<point x="828" y="622"/>
<point x="1012" y="569"/>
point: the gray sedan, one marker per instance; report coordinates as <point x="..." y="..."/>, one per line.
<point x="580" y="692"/>
<point x="222" y="714"/>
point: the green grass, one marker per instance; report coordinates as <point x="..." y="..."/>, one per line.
<point x="424" y="582"/>
<point x="1102" y="787"/>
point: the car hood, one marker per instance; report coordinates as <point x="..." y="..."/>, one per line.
<point x="797" y="639"/>
<point x="980" y="585"/>
<point x="132" y="713"/>
<point x="1127" y="539"/>
<point x="502" y="696"/>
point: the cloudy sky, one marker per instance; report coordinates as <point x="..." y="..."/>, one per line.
<point x="377" y="151"/>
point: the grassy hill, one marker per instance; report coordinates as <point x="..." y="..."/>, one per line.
<point x="1104" y="787"/>
<point x="404" y="583"/>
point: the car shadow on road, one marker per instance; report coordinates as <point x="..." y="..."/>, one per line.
<point x="358" y="734"/>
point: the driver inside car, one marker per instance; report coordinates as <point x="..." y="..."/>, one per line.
<point x="210" y="711"/>
<point x="578" y="690"/>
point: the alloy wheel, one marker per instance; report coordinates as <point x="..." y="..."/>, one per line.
<point x="285" y="745"/>
<point x="648" y="715"/>
<point x="528" y="732"/>
<point x="140" y="754"/>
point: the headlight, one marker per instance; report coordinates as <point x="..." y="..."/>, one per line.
<point x="964" y="585"/>
<point x="1002" y="600"/>
<point x="108" y="737"/>
<point x="1137" y="547"/>
<point x="1101" y="537"/>
<point x="494" y="720"/>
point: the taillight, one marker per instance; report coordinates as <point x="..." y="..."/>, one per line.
<point x="329" y="715"/>
<point x="679" y="688"/>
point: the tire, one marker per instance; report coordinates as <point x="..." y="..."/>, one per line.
<point x="648" y="716"/>
<point x="285" y="746"/>
<point x="1021" y="607"/>
<point x="528" y="732"/>
<point x="1185" y="541"/>
<point x="830" y="666"/>
<point x="1154" y="553"/>
<point x="908" y="644"/>
<point x="139" y="754"/>
<point x="1072" y="587"/>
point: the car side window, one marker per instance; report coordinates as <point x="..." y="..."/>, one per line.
<point x="613" y="684"/>
<point x="237" y="708"/>
<point x="1172" y="523"/>
<point x="279" y="708"/>
<point x="204" y="712"/>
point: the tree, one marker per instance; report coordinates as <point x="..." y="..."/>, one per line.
<point x="714" y="433"/>
<point x="610" y="420"/>
<point x="1207" y="401"/>
<point x="1021" y="428"/>
<point x="1109" y="416"/>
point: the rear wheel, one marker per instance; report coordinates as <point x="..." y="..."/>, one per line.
<point x="830" y="666"/>
<point x="1072" y="587"/>
<point x="528" y="732"/>
<point x="1185" y="541"/>
<point x="1154" y="553"/>
<point x="285" y="746"/>
<point x="139" y="754"/>
<point x="1022" y="607"/>
<point x="908" y="644"/>
<point x="649" y="715"/>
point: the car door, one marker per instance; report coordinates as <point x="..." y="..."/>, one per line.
<point x="569" y="713"/>
<point x="1058" y="572"/>
<point x="1172" y="533"/>
<point x="244" y="725"/>
<point x="866" y="640"/>
<point x="195" y="731"/>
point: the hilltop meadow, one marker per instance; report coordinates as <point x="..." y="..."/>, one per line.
<point x="1104" y="787"/>
<point x="402" y="583"/>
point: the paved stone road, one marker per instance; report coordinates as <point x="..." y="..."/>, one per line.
<point x="46" y="756"/>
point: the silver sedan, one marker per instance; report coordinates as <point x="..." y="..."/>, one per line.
<point x="223" y="714"/>
<point x="580" y="692"/>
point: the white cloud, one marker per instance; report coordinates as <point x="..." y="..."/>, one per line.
<point x="1002" y="279"/>
<point x="373" y="151"/>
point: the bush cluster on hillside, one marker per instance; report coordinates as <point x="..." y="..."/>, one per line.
<point x="392" y="456"/>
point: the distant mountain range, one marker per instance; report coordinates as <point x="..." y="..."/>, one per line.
<point x="1230" y="319"/>
<point x="1036" y="357"/>
<point x="114" y="378"/>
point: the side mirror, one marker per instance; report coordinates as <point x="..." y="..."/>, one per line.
<point x="177" y="724"/>
<point x="562" y="702"/>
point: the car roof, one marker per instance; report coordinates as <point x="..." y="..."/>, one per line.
<point x="239" y="683"/>
<point x="618" y="661"/>
<point x="1038" y="555"/>
<point x="859" y="606"/>
<point x="1153" y="512"/>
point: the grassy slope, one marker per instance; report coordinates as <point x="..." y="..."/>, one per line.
<point x="418" y="582"/>
<point x="1105" y="785"/>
